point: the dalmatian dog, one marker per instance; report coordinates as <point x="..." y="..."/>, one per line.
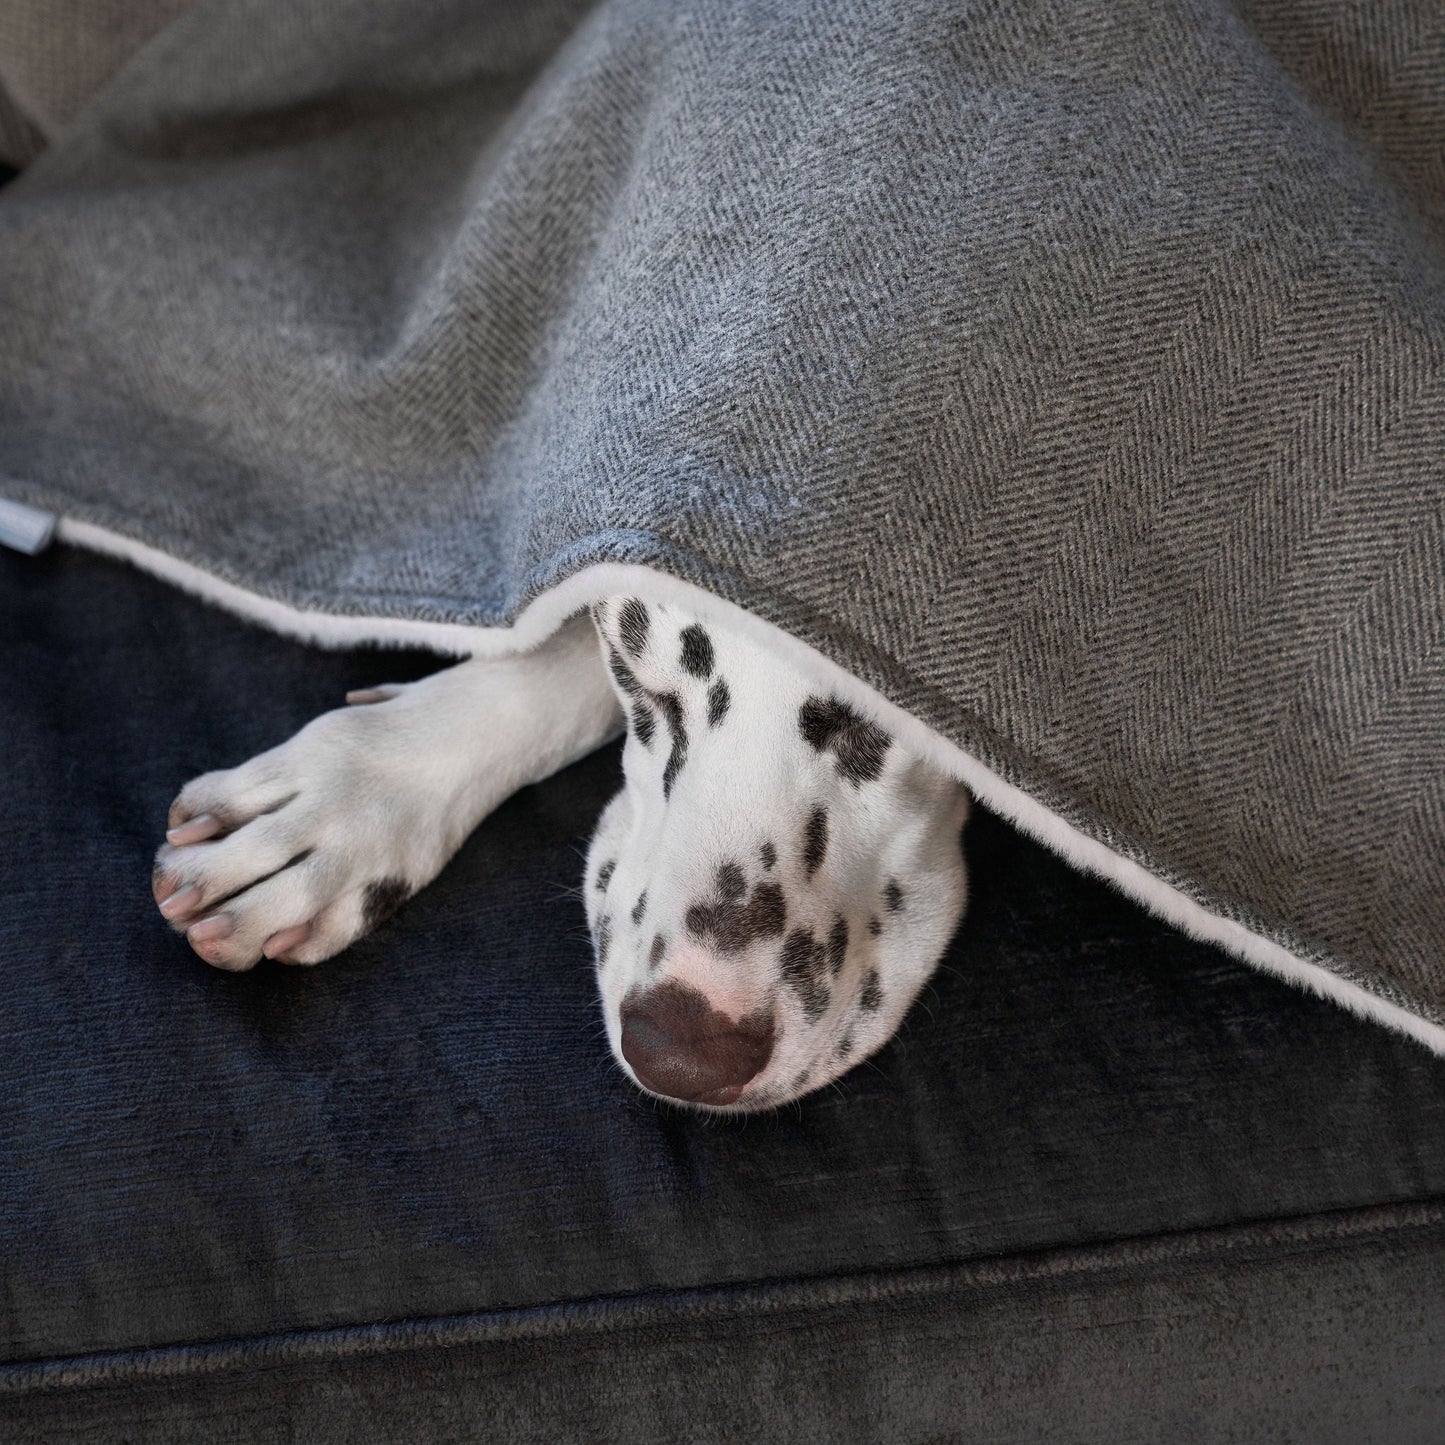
<point x="767" y="894"/>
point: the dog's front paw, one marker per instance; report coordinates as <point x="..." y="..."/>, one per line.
<point x="298" y="852"/>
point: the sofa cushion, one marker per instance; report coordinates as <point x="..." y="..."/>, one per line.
<point x="430" y="1126"/>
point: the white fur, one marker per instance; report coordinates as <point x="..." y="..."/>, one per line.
<point x="749" y="781"/>
<point x="592" y="584"/>
<point x="373" y="794"/>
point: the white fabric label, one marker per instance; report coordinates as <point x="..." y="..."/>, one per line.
<point x="25" y="529"/>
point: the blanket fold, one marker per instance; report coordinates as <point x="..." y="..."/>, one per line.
<point x="1068" y="375"/>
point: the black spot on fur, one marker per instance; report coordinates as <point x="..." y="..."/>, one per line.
<point x="697" y="654"/>
<point x="632" y="623"/>
<point x="730" y="925"/>
<point x="382" y="899"/>
<point x="719" y="699"/>
<point x="893" y="896"/>
<point x="626" y="678"/>
<point x="654" y="954"/>
<point x="837" y="945"/>
<point x="858" y="746"/>
<point x="874" y="927"/>
<point x="767" y="910"/>
<point x="872" y="995"/>
<point x="604" y="940"/>
<point x="675" y="759"/>
<point x="640" y="907"/>
<point x="800" y="1083"/>
<point x="731" y="883"/>
<point x="605" y="872"/>
<point x="845" y="1046"/>
<point x="769" y="855"/>
<point x="670" y="705"/>
<point x="643" y="723"/>
<point x="804" y="963"/>
<point x="815" y="840"/>
<point x="671" y="709"/>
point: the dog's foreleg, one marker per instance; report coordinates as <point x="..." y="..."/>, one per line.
<point x="298" y="852"/>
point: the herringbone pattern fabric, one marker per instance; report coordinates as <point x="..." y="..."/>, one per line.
<point x="1072" y="373"/>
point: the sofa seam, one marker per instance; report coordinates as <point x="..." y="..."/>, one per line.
<point x="1281" y="1238"/>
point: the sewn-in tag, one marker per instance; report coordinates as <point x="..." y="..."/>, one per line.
<point x="25" y="529"/>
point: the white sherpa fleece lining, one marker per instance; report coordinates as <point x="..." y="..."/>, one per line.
<point x="544" y="615"/>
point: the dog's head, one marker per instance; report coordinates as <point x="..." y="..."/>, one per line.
<point x="777" y="878"/>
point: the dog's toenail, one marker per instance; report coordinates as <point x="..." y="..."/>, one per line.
<point x="178" y="903"/>
<point x="197" y="830"/>
<point x="283" y="942"/>
<point x="365" y="696"/>
<point x="208" y="930"/>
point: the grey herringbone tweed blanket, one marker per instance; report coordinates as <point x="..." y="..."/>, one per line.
<point x="1072" y="375"/>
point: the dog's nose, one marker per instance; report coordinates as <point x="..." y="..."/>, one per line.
<point x="678" y="1045"/>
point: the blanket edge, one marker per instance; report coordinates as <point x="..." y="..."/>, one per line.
<point x="541" y="617"/>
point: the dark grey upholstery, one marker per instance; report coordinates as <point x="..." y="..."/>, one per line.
<point x="1106" y="1185"/>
